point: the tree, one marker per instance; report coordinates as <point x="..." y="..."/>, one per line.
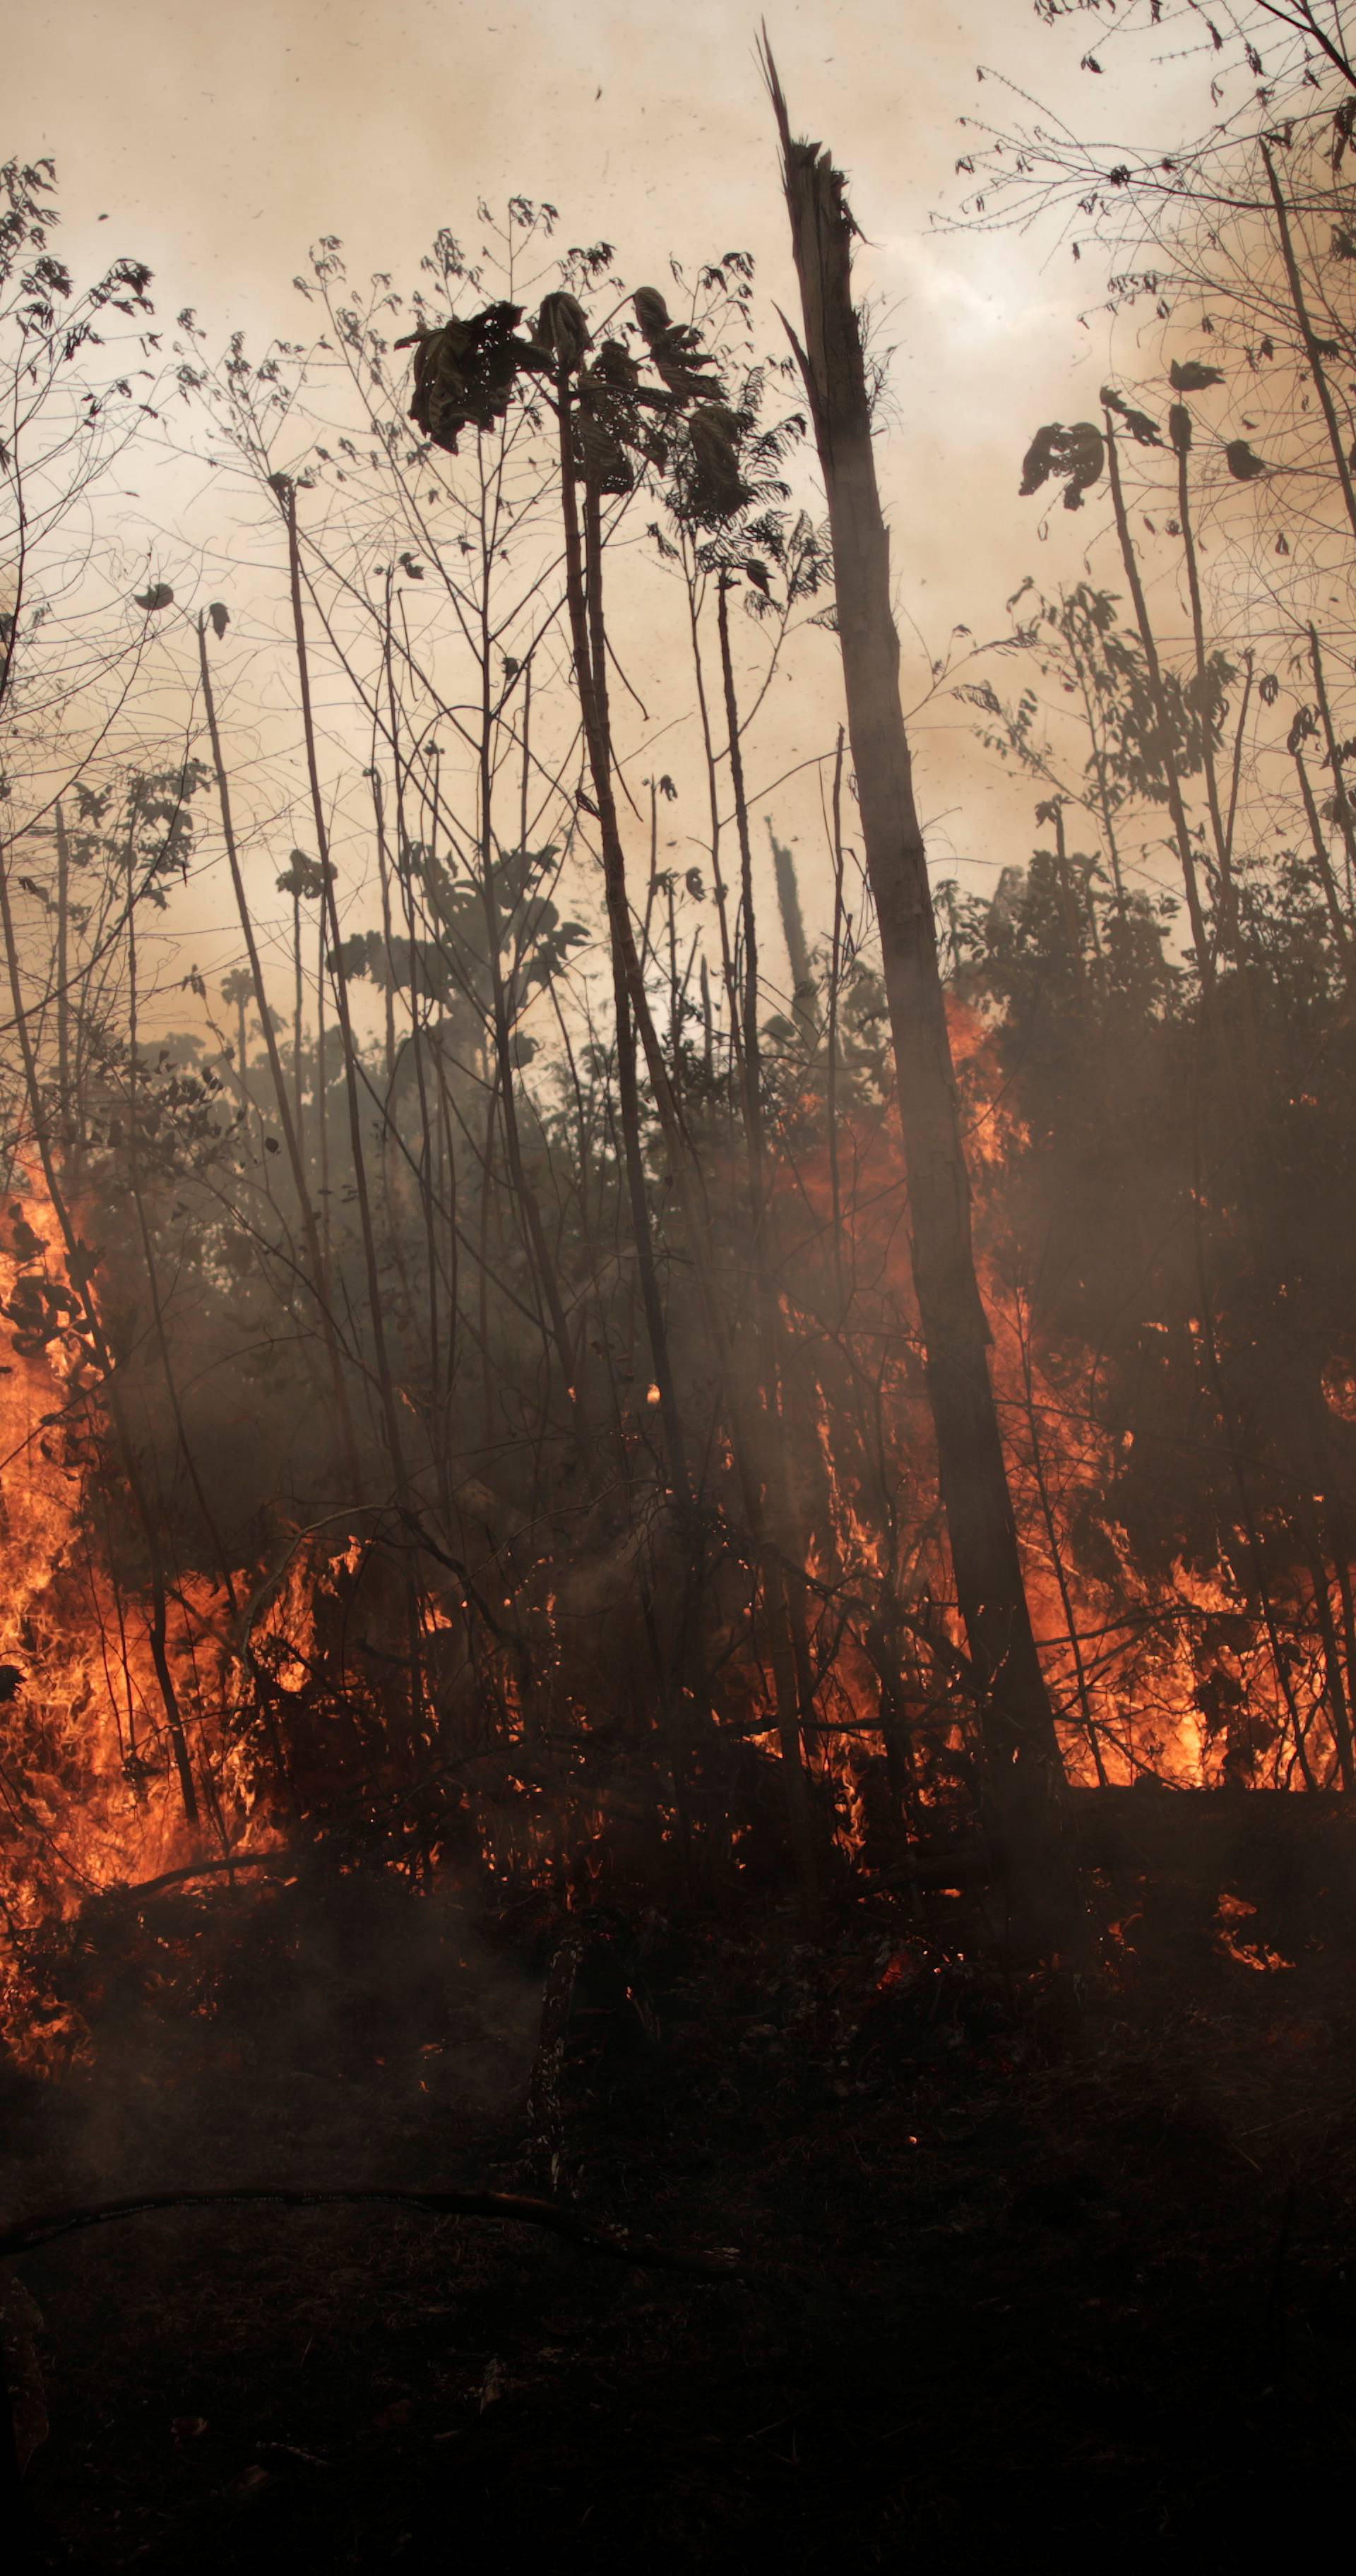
<point x="1023" y="1771"/>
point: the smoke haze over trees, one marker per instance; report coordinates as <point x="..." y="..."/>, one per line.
<point x="485" y="1337"/>
<point x="591" y="1313"/>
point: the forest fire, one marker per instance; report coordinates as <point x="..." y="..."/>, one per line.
<point x="291" y="1680"/>
<point x="677" y="1499"/>
<point x="91" y="1798"/>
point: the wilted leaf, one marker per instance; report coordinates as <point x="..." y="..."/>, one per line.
<point x="1188" y="376"/>
<point x="1143" y="430"/>
<point x="157" y="597"/>
<point x="1179" y="428"/>
<point x="220" y="616"/>
<point x="1242" y="464"/>
<point x="1078" y="452"/>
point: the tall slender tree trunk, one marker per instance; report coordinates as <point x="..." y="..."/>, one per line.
<point x="1313" y="348"/>
<point x="793" y="932"/>
<point x="1180" y="423"/>
<point x="298" y="1003"/>
<point x="1024" y="1777"/>
<point x="385" y="1380"/>
<point x="65" y="1119"/>
<point x="1337" y="754"/>
<point x="584" y="600"/>
<point x="317" y="1260"/>
<point x="1200" y="935"/>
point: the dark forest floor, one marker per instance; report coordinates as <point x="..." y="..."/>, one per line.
<point x="1054" y="2269"/>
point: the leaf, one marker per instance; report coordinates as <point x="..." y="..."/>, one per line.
<point x="157" y="597"/>
<point x="1038" y="464"/>
<point x="1188" y="376"/>
<point x="1078" y="452"/>
<point x="1242" y="464"/>
<point x="353" y="956"/>
<point x="1144" y="431"/>
<point x="1179" y="428"/>
<point x="220" y="616"/>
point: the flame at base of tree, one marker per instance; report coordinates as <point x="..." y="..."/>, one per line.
<point x="506" y="1718"/>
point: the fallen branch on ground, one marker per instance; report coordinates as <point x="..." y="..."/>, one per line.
<point x="616" y="2244"/>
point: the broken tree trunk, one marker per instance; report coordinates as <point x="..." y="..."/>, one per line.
<point x="1023" y="1773"/>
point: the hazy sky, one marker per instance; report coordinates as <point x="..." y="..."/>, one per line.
<point x="221" y="141"/>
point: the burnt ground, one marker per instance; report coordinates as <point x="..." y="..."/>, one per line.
<point x="1049" y="2266"/>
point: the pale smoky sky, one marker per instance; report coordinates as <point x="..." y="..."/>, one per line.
<point x="221" y="141"/>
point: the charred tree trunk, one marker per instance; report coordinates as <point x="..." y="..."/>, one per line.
<point x="1023" y="1772"/>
